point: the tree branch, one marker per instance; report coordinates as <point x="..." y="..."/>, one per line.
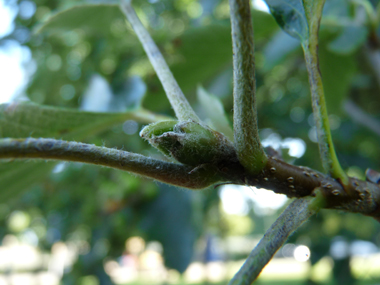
<point x="356" y="196"/>
<point x="181" y="106"/>
<point x="50" y="149"/>
<point x="330" y="162"/>
<point x="289" y="221"/>
<point x="294" y="181"/>
<point x="247" y="142"/>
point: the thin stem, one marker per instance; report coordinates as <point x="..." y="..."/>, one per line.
<point x="50" y="149"/>
<point x="181" y="106"/>
<point x="246" y="136"/>
<point x="329" y="159"/>
<point x="358" y="197"/>
<point x="290" y="220"/>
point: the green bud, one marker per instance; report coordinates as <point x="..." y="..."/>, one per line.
<point x="155" y="130"/>
<point x="188" y="142"/>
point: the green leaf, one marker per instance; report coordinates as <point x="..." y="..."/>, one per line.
<point x="172" y="210"/>
<point x="20" y="120"/>
<point x="201" y="53"/>
<point x="216" y="115"/>
<point x="204" y="51"/>
<point x="17" y="176"/>
<point x="280" y="46"/>
<point x="337" y="74"/>
<point x="92" y="18"/>
<point x="349" y="40"/>
<point x="291" y="17"/>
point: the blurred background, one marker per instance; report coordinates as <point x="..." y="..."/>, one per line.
<point x="77" y="224"/>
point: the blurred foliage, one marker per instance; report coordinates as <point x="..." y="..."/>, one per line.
<point x="78" y="51"/>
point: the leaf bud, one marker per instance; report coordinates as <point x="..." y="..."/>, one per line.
<point x="189" y="142"/>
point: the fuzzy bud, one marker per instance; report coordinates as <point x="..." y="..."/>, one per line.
<point x="189" y="142"/>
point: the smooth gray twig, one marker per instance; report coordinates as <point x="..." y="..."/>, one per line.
<point x="289" y="221"/>
<point x="246" y="136"/>
<point x="178" y="101"/>
<point x="50" y="149"/>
